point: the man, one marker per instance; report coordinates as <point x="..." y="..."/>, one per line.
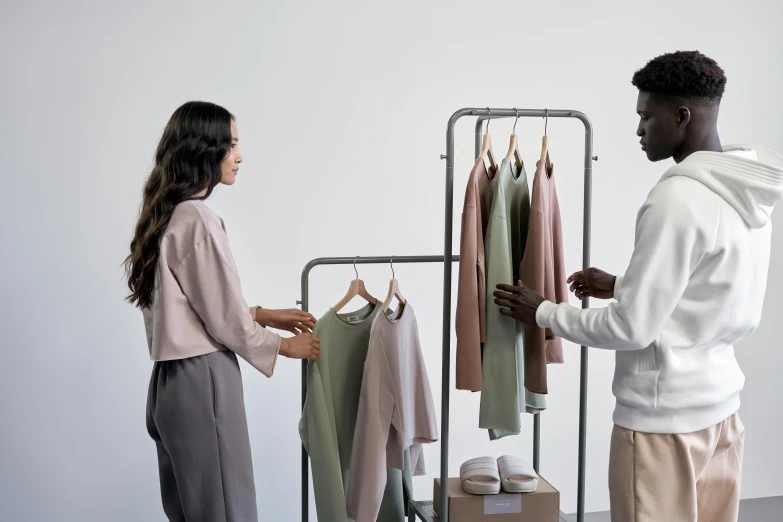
<point x="694" y="286"/>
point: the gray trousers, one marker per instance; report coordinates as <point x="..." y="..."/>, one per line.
<point x="196" y="416"/>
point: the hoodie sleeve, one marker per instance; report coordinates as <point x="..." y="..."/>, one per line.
<point x="672" y="236"/>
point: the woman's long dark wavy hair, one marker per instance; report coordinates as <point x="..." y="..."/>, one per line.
<point x="196" y="140"/>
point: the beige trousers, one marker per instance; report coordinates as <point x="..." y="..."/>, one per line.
<point x="692" y="477"/>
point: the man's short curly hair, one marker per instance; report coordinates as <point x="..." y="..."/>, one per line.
<point x="682" y="74"/>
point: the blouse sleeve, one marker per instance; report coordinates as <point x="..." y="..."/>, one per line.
<point x="209" y="278"/>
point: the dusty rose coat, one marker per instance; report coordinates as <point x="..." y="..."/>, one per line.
<point x="543" y="270"/>
<point x="470" y="319"/>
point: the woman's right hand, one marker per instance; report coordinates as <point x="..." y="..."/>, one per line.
<point x="302" y="346"/>
<point x="592" y="282"/>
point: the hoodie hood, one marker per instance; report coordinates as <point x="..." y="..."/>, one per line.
<point x="750" y="179"/>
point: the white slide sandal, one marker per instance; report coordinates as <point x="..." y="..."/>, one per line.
<point x="516" y="475"/>
<point x="480" y="476"/>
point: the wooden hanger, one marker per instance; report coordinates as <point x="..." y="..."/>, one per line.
<point x="394" y="291"/>
<point x="486" y="145"/>
<point x="545" y="139"/>
<point x="513" y="144"/>
<point x="356" y="288"/>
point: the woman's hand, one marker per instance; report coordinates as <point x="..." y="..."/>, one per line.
<point x="302" y="346"/>
<point x="290" y="320"/>
<point x="592" y="282"/>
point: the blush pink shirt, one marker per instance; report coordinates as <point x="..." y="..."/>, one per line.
<point x="198" y="307"/>
<point x="396" y="411"/>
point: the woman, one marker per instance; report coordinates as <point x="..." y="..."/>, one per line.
<point x="182" y="275"/>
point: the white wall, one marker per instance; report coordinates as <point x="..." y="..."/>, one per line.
<point x="342" y="111"/>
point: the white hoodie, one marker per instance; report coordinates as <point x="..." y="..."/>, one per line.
<point x="695" y="285"/>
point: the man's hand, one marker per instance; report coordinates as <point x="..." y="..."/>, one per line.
<point x="592" y="282"/>
<point x="290" y="320"/>
<point x="518" y="302"/>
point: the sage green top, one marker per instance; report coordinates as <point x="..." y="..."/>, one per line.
<point x="334" y="384"/>
<point x="503" y="395"/>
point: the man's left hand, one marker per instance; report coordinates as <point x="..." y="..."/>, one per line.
<point x="518" y="302"/>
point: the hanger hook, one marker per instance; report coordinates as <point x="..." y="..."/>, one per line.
<point x="515" y="121"/>
<point x="489" y="119"/>
<point x="392" y="267"/>
<point x="354" y="267"/>
<point x="546" y="120"/>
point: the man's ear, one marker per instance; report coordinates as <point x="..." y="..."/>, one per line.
<point x="683" y="116"/>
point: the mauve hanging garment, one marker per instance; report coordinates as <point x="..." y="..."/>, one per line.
<point x="543" y="270"/>
<point x="470" y="318"/>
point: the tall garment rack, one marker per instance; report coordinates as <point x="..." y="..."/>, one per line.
<point x="424" y="509"/>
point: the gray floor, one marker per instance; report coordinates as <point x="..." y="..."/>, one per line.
<point x="752" y="510"/>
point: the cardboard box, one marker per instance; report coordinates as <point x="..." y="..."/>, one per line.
<point x="543" y="505"/>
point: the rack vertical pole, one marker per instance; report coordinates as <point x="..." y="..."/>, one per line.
<point x="586" y="245"/>
<point x="305" y="302"/>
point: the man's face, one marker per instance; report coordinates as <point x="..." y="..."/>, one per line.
<point x="661" y="126"/>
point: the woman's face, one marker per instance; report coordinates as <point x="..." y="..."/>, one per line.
<point x="230" y="166"/>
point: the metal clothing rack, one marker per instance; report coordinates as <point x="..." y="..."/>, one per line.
<point x="305" y="302"/>
<point x="424" y="510"/>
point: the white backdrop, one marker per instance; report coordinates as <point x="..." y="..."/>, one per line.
<point x="342" y="111"/>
